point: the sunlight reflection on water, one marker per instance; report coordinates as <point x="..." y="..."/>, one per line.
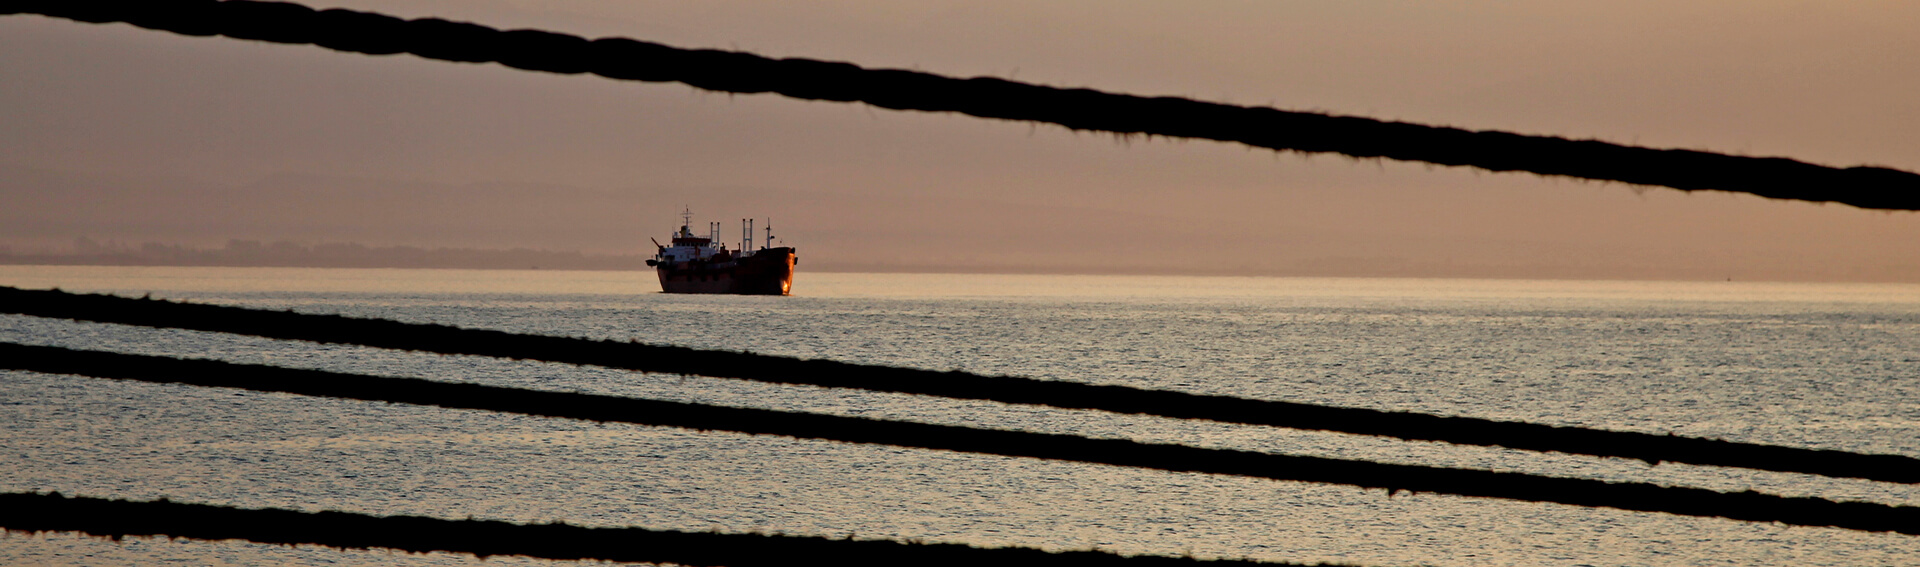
<point x="1825" y="365"/>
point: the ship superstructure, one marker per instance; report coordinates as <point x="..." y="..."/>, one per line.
<point x="702" y="264"/>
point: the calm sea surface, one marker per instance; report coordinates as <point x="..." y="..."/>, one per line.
<point x="1806" y="365"/>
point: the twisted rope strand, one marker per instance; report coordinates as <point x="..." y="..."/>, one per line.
<point x="959" y="385"/>
<point x="986" y="97"/>
<point x="1642" y="497"/>
<point x="29" y="512"/>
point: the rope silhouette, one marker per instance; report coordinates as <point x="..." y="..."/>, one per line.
<point x="960" y="385"/>
<point x="1747" y="505"/>
<point x="1078" y="109"/>
<point x="29" y="512"/>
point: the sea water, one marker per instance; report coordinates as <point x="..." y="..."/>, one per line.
<point x="1829" y="366"/>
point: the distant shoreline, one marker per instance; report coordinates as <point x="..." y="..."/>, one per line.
<point x="587" y="263"/>
<point x="287" y="254"/>
<point x="467" y="259"/>
<point x="248" y="254"/>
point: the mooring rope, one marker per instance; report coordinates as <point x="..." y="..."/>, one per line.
<point x="32" y="513"/>
<point x="1078" y="109"/>
<point x="1642" y="497"/>
<point x="960" y="385"/>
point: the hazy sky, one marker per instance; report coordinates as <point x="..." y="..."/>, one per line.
<point x="114" y="132"/>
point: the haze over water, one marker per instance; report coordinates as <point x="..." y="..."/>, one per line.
<point x="130" y="136"/>
<point x="1809" y="365"/>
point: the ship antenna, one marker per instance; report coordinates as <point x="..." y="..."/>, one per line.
<point x="769" y="242"/>
<point x="686" y="220"/>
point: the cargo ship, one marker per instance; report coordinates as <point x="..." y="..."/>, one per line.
<point x="702" y="264"/>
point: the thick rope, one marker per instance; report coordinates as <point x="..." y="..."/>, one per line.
<point x="1079" y="109"/>
<point x="28" y="512"/>
<point x="1120" y="399"/>
<point x="1747" y="505"/>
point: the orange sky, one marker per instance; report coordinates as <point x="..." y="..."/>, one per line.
<point x="114" y="132"/>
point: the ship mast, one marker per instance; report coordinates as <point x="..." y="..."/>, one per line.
<point x="746" y="232"/>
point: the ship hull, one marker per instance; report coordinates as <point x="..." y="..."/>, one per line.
<point x="767" y="272"/>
